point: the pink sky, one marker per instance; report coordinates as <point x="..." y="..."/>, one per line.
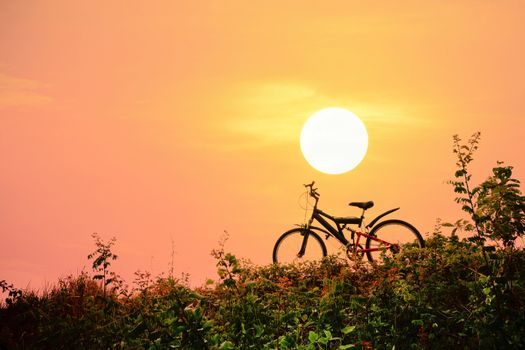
<point x="169" y="121"/>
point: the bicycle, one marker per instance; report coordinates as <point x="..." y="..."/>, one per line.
<point x="387" y="237"/>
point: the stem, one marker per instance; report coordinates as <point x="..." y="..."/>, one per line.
<point x="471" y="202"/>
<point x="467" y="186"/>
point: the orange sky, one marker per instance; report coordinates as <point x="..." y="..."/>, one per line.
<point x="169" y="120"/>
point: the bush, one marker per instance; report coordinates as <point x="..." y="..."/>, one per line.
<point x="446" y="295"/>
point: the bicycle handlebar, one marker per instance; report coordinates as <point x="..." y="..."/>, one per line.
<point x="313" y="191"/>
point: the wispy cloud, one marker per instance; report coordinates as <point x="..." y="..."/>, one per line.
<point x="16" y="91"/>
<point x="270" y="113"/>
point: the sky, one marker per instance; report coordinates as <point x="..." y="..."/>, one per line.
<point x="167" y="123"/>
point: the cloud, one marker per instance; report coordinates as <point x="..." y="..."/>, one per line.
<point x="268" y="113"/>
<point x="262" y="114"/>
<point x="16" y="92"/>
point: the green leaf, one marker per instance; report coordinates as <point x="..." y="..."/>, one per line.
<point x="226" y="345"/>
<point x="348" y="329"/>
<point x="417" y="322"/>
<point x="258" y="331"/>
<point x="285" y="342"/>
<point x="312" y="337"/>
<point x="347" y="346"/>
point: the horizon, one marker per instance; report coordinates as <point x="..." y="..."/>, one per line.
<point x="176" y="122"/>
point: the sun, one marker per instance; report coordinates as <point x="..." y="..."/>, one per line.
<point x="334" y="140"/>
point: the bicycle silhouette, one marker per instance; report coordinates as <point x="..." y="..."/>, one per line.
<point x="304" y="243"/>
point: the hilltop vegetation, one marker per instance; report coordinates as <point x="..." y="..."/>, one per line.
<point x="454" y="293"/>
<point x="447" y="295"/>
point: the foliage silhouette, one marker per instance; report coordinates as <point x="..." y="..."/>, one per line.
<point x="496" y="206"/>
<point x="441" y="296"/>
<point x="102" y="258"/>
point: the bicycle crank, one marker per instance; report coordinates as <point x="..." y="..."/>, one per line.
<point x="352" y="252"/>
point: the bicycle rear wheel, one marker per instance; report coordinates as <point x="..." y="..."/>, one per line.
<point x="396" y="234"/>
<point x="287" y="247"/>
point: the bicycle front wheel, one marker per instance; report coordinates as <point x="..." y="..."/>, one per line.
<point x="390" y="237"/>
<point x="288" y="246"/>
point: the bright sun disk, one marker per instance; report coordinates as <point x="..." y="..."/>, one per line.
<point x="334" y="140"/>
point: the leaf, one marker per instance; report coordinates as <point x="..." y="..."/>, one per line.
<point x="284" y="342"/>
<point x="348" y="329"/>
<point x="417" y="322"/>
<point x="468" y="209"/>
<point x="258" y="331"/>
<point x="227" y="345"/>
<point x="460" y="173"/>
<point x="312" y="337"/>
<point x="460" y="189"/>
<point x="347" y="346"/>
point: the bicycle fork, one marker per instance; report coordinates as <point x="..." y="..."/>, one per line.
<point x="305" y="235"/>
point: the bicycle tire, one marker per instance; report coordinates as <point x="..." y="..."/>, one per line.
<point x="289" y="243"/>
<point x="393" y="231"/>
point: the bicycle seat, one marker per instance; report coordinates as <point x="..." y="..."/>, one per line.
<point x="362" y="205"/>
